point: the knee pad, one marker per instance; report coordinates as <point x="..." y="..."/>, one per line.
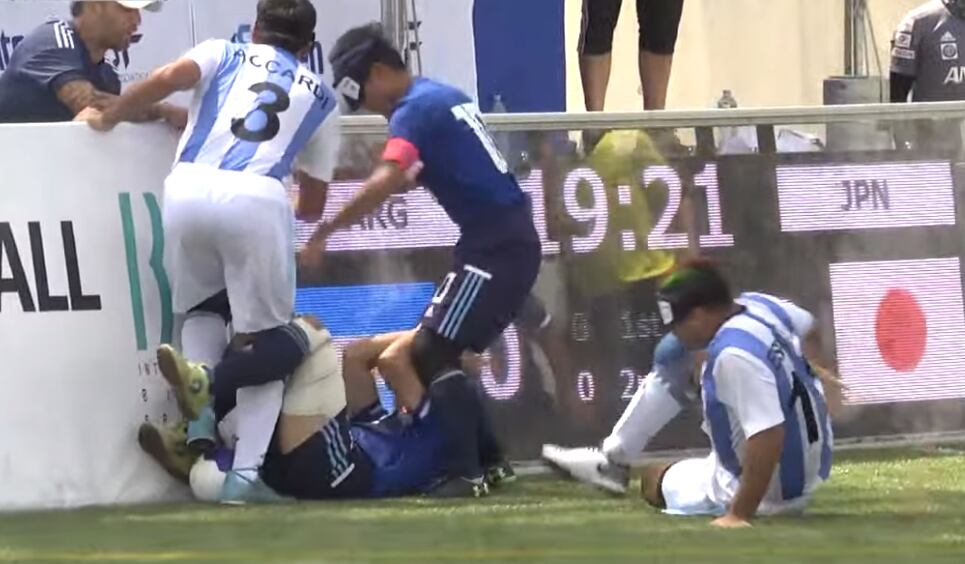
<point x="433" y="356"/>
<point x="217" y="304"/>
<point x="273" y="354"/>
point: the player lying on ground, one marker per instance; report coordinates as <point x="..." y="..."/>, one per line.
<point x="314" y="398"/>
<point x="437" y="131"/>
<point x="382" y="353"/>
<point x="258" y="115"/>
<point x="757" y="387"/>
<point x="326" y="447"/>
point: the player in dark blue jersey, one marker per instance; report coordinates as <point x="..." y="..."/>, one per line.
<point x="437" y="139"/>
<point x="59" y="68"/>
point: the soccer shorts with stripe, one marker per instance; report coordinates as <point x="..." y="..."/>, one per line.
<point x="329" y="465"/>
<point x="484" y="293"/>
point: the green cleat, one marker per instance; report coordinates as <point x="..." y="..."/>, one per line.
<point x="500" y="474"/>
<point x="189" y="381"/>
<point x="459" y="487"/>
<point x="167" y="446"/>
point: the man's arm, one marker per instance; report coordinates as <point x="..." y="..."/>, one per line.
<point x="749" y="389"/>
<point x="81" y="94"/>
<point x="314" y="168"/>
<point x="182" y="74"/>
<point x="812" y="348"/>
<point x="805" y="326"/>
<point x="761" y="455"/>
<point x="312" y="197"/>
<point x="900" y="87"/>
<point x="395" y="174"/>
<point x="387" y="179"/>
<point x="822" y="366"/>
<point x="904" y="59"/>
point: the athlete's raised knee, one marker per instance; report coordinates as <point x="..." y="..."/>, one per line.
<point x="651" y="484"/>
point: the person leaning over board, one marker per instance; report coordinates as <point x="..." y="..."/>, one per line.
<point x="59" y="68"/>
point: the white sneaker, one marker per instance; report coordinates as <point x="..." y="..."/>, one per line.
<point x="590" y="466"/>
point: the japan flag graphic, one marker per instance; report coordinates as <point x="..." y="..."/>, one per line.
<point x="900" y="329"/>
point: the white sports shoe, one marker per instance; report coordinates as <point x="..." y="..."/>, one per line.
<point x="590" y="466"/>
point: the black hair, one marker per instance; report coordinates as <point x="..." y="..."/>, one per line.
<point x="286" y="24"/>
<point x="371" y="39"/>
<point x="76" y="8"/>
<point x="695" y="283"/>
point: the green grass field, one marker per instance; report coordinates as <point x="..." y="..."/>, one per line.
<point x="883" y="506"/>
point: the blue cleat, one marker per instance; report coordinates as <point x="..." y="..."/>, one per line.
<point x="239" y="489"/>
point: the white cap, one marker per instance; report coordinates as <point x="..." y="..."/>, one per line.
<point x="149" y="5"/>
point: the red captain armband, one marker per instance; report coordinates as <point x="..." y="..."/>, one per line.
<point x="401" y="152"/>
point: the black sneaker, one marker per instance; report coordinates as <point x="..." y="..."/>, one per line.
<point x="460" y="487"/>
<point x="500" y="474"/>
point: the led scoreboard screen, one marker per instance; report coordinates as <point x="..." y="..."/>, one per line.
<point x="868" y="243"/>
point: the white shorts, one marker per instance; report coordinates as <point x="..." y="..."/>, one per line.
<point x="233" y="231"/>
<point x="689" y="489"/>
<point x="686" y="488"/>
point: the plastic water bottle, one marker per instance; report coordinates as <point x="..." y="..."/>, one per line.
<point x="503" y="139"/>
<point x="727" y="100"/>
<point x="728" y="134"/>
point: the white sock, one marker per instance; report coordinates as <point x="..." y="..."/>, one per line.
<point x="651" y="408"/>
<point x="255" y="415"/>
<point x="204" y="338"/>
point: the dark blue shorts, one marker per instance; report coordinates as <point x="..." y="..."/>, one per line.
<point x="484" y="293"/>
<point x="329" y="465"/>
<point x="407" y="456"/>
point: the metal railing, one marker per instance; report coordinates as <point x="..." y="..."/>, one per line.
<point x="373" y="125"/>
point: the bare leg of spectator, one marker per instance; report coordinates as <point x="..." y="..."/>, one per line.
<point x="595" y="73"/>
<point x="654" y="79"/>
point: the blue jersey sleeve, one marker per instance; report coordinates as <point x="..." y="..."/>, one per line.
<point x="409" y="123"/>
<point x="52" y="58"/>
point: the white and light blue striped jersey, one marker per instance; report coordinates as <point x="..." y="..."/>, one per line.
<point x="258" y="110"/>
<point x="756" y="378"/>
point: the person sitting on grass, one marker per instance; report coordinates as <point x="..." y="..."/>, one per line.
<point x="763" y="398"/>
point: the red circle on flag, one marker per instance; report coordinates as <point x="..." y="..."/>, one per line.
<point x="901" y="330"/>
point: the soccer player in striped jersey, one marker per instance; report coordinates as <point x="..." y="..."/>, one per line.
<point x="764" y="406"/>
<point x="258" y="116"/>
<point x="329" y="442"/>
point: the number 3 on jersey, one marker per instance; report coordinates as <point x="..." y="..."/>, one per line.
<point x="266" y="113"/>
<point x="469" y="114"/>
